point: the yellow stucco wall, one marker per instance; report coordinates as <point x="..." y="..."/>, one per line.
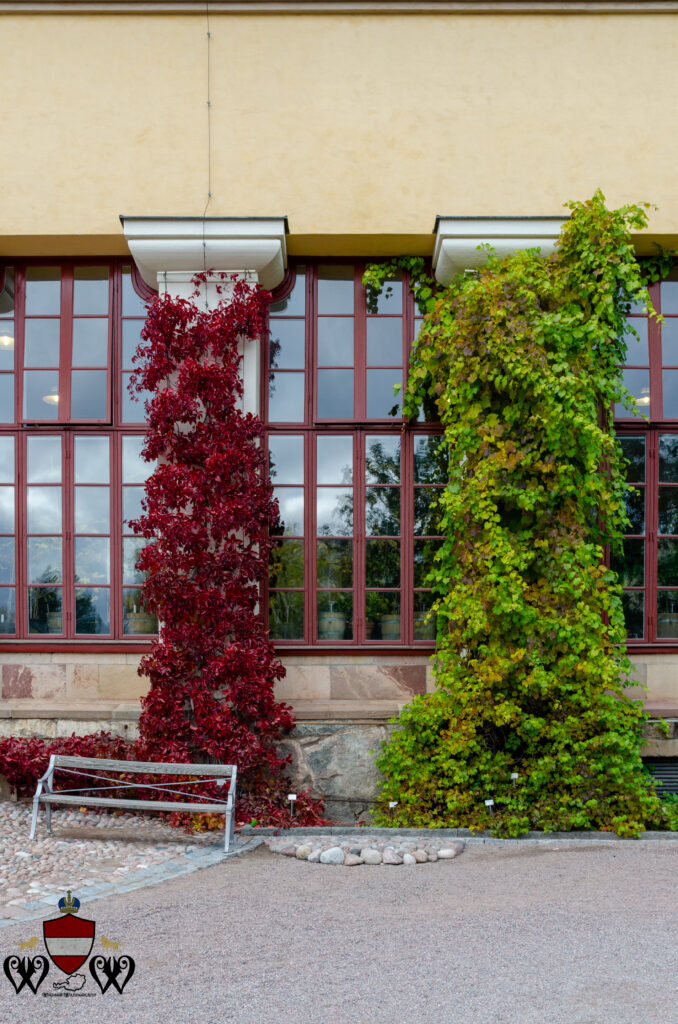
<point x="360" y="128"/>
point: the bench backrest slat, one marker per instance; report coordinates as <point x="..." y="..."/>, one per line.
<point x="151" y="767"/>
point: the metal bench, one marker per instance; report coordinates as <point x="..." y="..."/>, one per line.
<point x="92" y="767"/>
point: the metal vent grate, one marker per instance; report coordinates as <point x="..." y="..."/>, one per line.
<point x="664" y="770"/>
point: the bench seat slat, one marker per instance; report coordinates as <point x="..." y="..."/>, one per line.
<point x="150" y="767"/>
<point x="142" y="805"/>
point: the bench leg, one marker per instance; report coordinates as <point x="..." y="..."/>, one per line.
<point x="48" y="818"/>
<point x="229" y="830"/>
<point x="34" y="820"/>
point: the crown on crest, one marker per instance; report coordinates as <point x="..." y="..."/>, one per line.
<point x="69" y="904"/>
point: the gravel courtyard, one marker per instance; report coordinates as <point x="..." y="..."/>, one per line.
<point x="510" y="934"/>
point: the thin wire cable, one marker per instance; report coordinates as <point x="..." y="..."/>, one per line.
<point x="209" y="147"/>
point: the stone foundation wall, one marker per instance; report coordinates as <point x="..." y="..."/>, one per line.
<point x="71" y="677"/>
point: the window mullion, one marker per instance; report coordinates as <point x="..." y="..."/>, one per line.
<point x="359" y="536"/>
<point x="68" y="543"/>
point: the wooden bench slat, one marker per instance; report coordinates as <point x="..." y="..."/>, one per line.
<point x="142" y="805"/>
<point x="150" y="767"/>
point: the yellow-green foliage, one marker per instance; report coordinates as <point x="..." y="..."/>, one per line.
<point x="522" y="361"/>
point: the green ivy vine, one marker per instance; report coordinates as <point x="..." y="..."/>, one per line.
<point x="530" y="711"/>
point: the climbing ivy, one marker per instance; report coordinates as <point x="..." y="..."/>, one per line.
<point x="522" y="360"/>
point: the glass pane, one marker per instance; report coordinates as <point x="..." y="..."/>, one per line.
<point x="670" y="391"/>
<point x="6" y="344"/>
<point x="131" y="504"/>
<point x="6" y="460"/>
<point x="382" y="563"/>
<point x="335" y="512"/>
<point x="334" y="565"/>
<point x="287" y="345"/>
<point x="384" y="341"/>
<point x="7" y="559"/>
<point x="93" y="559"/>
<point x="132" y="304"/>
<point x="44" y="559"/>
<point x="636" y="344"/>
<point x="382" y="616"/>
<point x="335" y="460"/>
<point x="90" y="342"/>
<point x="286" y="397"/>
<point x="335" y="394"/>
<point x="44" y="509"/>
<point x="44" y="610"/>
<point x="90" y="290"/>
<point x="92" y="610"/>
<point x="635" y="509"/>
<point x="41" y="345"/>
<point x="638" y="383"/>
<point x="669" y="296"/>
<point x="335" y="341"/>
<point x="136" y="618"/>
<point x="633" y="605"/>
<point x="92" y="510"/>
<point x="131" y="338"/>
<point x="6" y="510"/>
<point x="7" y="611"/>
<point x="382" y="400"/>
<point x="668" y="510"/>
<point x="44" y="460"/>
<point x="291" y="515"/>
<point x="424" y="554"/>
<point x="382" y="460"/>
<point x="286" y="564"/>
<point x="667" y="615"/>
<point x="424" y="626"/>
<point x="335" y="289"/>
<point x="286" y="616"/>
<point x="135" y="470"/>
<point x="633" y="450"/>
<point x="295" y="303"/>
<point x="91" y="460"/>
<point x="670" y="342"/>
<point x="382" y="511"/>
<point x="131" y="549"/>
<point x="390" y="299"/>
<point x="630" y="566"/>
<point x="667" y="563"/>
<point x="41" y="394"/>
<point x="43" y="291"/>
<point x="430" y="460"/>
<point x="335" y="616"/>
<point x="668" y="458"/>
<point x="286" y="458"/>
<point x="7" y="291"/>
<point x="426" y="518"/>
<point x="6" y="398"/>
<point x="89" y="394"/>
<point x="133" y="406"/>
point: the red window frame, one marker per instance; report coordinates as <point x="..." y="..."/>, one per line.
<point x="123" y="279"/>
<point x="312" y="425"/>
<point x="651" y="430"/>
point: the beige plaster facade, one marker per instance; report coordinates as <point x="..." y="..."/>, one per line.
<point x="360" y="128"/>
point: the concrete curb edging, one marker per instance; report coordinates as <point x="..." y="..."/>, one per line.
<point x="193" y="861"/>
<point x="459" y="833"/>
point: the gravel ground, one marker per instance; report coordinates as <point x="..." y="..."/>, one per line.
<point x="547" y="933"/>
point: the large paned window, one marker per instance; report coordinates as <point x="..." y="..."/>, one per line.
<point x="71" y="476"/>
<point x="356" y="486"/>
<point x="648" y="567"/>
